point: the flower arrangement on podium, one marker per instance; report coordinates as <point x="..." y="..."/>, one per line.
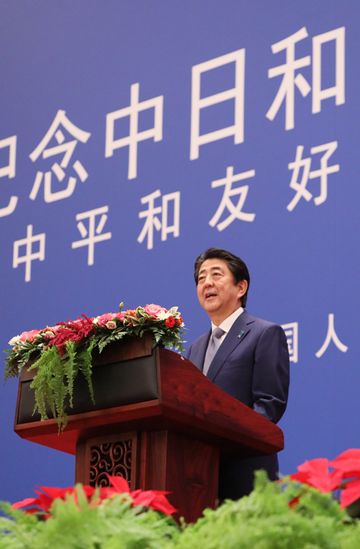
<point x="58" y="354"/>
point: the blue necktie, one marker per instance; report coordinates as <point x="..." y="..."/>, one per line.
<point x="213" y="345"/>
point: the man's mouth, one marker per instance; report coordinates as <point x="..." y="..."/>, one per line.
<point x="209" y="295"/>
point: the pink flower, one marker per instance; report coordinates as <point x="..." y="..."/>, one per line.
<point x="103" y="319"/>
<point x="29" y="336"/>
<point x="120" y="316"/>
<point x="154" y="310"/>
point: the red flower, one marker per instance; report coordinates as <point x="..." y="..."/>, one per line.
<point x="170" y="322"/>
<point x="74" y="330"/>
<point x="153" y="499"/>
<point x="316" y="473"/>
<point x="348" y="463"/>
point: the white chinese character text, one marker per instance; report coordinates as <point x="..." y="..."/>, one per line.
<point x="92" y="234"/>
<point x="62" y="147"/>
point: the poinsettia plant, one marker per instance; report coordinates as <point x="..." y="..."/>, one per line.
<point x="340" y="476"/>
<point x="46" y="495"/>
<point x="58" y="354"/>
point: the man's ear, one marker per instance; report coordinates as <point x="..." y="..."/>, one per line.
<point x="242" y="286"/>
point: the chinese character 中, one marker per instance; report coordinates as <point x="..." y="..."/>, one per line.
<point x="9" y="171"/>
<point x="29" y="255"/>
<point x="92" y="234"/>
<point x="301" y="173"/>
<point x="157" y="217"/>
<point x="135" y="135"/>
<point x="235" y="210"/>
<point x="199" y="102"/>
<point x="292" y="337"/>
<point x="64" y="148"/>
<point x="291" y="79"/>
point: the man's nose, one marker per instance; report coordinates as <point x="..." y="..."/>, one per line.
<point x="208" y="280"/>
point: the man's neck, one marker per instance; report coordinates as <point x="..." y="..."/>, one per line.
<point x="217" y="321"/>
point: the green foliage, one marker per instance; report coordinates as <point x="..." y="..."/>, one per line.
<point x="84" y="359"/>
<point x="18" y="530"/>
<point x="53" y="383"/>
<point x="263" y="520"/>
<point x="16" y="361"/>
<point x="85" y="525"/>
<point x="48" y="383"/>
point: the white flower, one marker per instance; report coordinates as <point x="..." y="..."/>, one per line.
<point x="111" y="324"/>
<point x="14" y="341"/>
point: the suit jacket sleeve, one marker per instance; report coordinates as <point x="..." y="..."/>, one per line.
<point x="270" y="382"/>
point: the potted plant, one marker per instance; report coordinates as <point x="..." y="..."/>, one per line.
<point x="58" y="355"/>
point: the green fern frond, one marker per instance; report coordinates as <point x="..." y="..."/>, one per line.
<point x="85" y="366"/>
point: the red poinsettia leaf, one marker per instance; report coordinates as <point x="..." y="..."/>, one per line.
<point x="349" y="467"/>
<point x="25" y="502"/>
<point x="316" y="473"/>
<point x="161" y="503"/>
<point x="119" y="484"/>
<point x="300" y="477"/>
<point x="352" y="453"/>
<point x="350" y="493"/>
<point x="55" y="493"/>
<point x="317" y="466"/>
<point x="88" y="490"/>
<point x="140" y="497"/>
<point x="154" y="499"/>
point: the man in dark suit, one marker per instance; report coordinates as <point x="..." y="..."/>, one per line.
<point x="245" y="356"/>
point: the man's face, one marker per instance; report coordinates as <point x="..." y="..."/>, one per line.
<point x="218" y="293"/>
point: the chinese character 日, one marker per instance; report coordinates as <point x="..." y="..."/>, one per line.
<point x="198" y="102"/>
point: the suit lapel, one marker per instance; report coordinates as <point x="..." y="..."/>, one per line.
<point x="198" y="356"/>
<point x="236" y="335"/>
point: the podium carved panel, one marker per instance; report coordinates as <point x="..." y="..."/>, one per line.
<point x="113" y="455"/>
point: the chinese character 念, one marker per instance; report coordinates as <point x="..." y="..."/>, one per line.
<point x="58" y="168"/>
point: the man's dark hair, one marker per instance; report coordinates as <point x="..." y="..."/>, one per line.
<point x="236" y="265"/>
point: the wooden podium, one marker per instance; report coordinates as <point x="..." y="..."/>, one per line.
<point x="157" y="421"/>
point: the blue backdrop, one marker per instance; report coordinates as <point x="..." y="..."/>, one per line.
<point x="134" y="135"/>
